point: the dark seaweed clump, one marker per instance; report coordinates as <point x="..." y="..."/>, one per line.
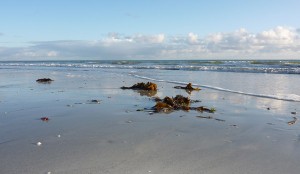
<point x="142" y="86"/>
<point x="187" y="87"/>
<point x="178" y="103"/>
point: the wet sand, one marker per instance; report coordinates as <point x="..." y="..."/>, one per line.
<point x="113" y="137"/>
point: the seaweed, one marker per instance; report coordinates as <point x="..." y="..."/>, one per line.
<point x="142" y="86"/>
<point x="168" y="104"/>
<point x="178" y="102"/>
<point x="44" y="80"/>
<point x="175" y="103"/>
<point x="188" y="87"/>
<point x="204" y="109"/>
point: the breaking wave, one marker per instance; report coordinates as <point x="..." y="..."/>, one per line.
<point x="253" y="66"/>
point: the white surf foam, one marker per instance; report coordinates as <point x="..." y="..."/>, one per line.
<point x="285" y="97"/>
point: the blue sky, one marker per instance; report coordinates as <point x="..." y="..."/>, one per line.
<point x="149" y="29"/>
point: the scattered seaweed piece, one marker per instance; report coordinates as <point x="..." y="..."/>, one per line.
<point x="142" y="86"/>
<point x="204" y="109"/>
<point x="44" y="80"/>
<point x="161" y="106"/>
<point x="293" y="121"/>
<point x="45" y="119"/>
<point x="188" y="87"/>
<point x="294" y="113"/>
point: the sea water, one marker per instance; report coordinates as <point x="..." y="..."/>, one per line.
<point x="276" y="79"/>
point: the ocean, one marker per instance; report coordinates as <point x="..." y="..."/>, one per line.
<point x="272" y="79"/>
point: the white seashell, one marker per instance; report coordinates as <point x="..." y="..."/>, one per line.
<point x="58" y="136"/>
<point x="38" y="143"/>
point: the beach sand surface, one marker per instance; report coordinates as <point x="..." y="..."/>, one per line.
<point x="252" y="134"/>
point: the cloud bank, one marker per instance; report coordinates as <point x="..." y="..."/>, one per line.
<point x="277" y="43"/>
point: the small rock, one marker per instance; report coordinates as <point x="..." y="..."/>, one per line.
<point x="294" y="113"/>
<point x="58" y="136"/>
<point x="38" y="143"/>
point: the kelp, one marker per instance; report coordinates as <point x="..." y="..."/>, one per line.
<point x="178" y="102"/>
<point x="175" y="103"/>
<point x="168" y="104"/>
<point x="204" y="109"/>
<point x="188" y="87"/>
<point x="142" y="86"/>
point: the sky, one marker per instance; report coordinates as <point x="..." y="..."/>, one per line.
<point x="149" y="29"/>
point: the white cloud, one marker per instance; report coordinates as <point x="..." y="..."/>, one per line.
<point x="280" y="42"/>
<point x="192" y="38"/>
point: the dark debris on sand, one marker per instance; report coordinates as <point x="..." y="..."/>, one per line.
<point x="178" y="103"/>
<point x="293" y="121"/>
<point x="44" y="80"/>
<point x="170" y="104"/>
<point x="187" y="87"/>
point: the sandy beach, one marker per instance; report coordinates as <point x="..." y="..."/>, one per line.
<point x="117" y="135"/>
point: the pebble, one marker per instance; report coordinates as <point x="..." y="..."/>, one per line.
<point x="294" y="113"/>
<point x="58" y="136"/>
<point x="38" y="143"/>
